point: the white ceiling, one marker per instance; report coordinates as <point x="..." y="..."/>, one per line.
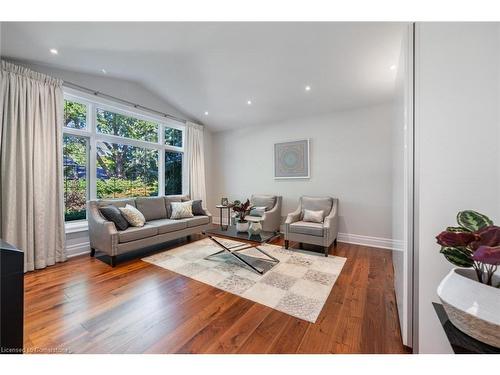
<point x="217" y="67"/>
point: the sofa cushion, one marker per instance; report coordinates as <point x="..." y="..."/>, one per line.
<point x="317" y="204"/>
<point x="197" y="220"/>
<point x="167" y="225"/>
<point x="303" y="227"/>
<point x="115" y="202"/>
<point x="137" y="233"/>
<point x="152" y="207"/>
<point x="261" y="200"/>
<point x="112" y="213"/>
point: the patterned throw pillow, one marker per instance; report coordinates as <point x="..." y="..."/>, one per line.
<point x="182" y="210"/>
<point x="313" y="216"/>
<point x="133" y="216"/>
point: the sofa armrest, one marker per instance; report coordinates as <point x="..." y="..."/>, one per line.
<point x="292" y="218"/>
<point x="272" y="218"/>
<point x="102" y="233"/>
<point x="330" y="223"/>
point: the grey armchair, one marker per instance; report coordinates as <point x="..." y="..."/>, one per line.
<point x="272" y="216"/>
<point x="322" y="234"/>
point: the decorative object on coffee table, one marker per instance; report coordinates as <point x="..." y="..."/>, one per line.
<point x="242" y="210"/>
<point x="291" y="159"/>
<point x="470" y="294"/>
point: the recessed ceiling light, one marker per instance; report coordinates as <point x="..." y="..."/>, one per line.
<point x="206" y="113"/>
<point x="104" y="71"/>
<point x="308" y="88"/>
<point x="54" y="51"/>
<point x="392" y="67"/>
<point x="249" y="102"/>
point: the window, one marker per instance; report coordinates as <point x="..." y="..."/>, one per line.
<point x="75" y="161"/>
<point x="173" y="172"/>
<point x="126" y="171"/>
<point x="125" y="126"/>
<point x="173" y="137"/>
<point x="110" y="151"/>
<point x="75" y="115"/>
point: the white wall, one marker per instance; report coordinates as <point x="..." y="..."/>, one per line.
<point x="401" y="185"/>
<point x="457" y="146"/>
<point x="123" y="89"/>
<point x="350" y="159"/>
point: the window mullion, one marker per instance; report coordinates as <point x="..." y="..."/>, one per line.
<point x="93" y="151"/>
<point x="161" y="161"/>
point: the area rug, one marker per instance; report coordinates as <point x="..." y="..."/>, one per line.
<point x="299" y="285"/>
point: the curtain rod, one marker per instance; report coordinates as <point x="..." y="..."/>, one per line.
<point x="106" y="96"/>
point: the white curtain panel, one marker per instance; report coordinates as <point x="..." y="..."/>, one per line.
<point x="31" y="187"/>
<point x="195" y="154"/>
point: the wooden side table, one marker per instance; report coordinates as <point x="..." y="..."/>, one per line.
<point x="221" y="208"/>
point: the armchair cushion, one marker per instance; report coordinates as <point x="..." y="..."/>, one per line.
<point x="313" y="216"/>
<point x="317" y="204"/>
<point x="304" y="227"/>
<point x="261" y="200"/>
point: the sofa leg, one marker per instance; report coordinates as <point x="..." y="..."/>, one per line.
<point x="301" y="245"/>
<point x="113" y="261"/>
<point x="92" y="252"/>
<point x="326" y="251"/>
<point x="335" y="243"/>
<point x="286" y="244"/>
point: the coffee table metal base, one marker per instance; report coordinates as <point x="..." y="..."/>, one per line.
<point x="234" y="249"/>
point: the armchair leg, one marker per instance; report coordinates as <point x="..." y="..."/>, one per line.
<point x="286" y="244"/>
<point x="326" y="251"/>
<point x="92" y="252"/>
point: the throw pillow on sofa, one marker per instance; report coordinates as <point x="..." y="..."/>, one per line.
<point x="313" y="216"/>
<point x="198" y="208"/>
<point x="112" y="213"/>
<point x="182" y="210"/>
<point x="133" y="216"/>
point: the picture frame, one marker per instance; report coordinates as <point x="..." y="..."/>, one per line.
<point x="224" y="202"/>
<point x="292" y="159"/>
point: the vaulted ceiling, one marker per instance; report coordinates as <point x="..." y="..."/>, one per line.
<point x="219" y="67"/>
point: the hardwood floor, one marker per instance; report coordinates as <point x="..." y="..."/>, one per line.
<point x="85" y="306"/>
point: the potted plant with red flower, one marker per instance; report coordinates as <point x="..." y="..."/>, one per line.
<point x="471" y="293"/>
<point x="242" y="210"/>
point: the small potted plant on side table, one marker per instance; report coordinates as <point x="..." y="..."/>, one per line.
<point x="242" y="210"/>
<point x="470" y="293"/>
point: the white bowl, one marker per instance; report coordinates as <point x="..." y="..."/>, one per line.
<point x="472" y="307"/>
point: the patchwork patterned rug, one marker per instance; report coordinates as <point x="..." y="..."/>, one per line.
<point x="299" y="285"/>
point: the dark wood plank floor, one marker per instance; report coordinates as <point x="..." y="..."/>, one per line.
<point x="85" y="306"/>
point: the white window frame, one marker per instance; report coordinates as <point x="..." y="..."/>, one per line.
<point x="93" y="102"/>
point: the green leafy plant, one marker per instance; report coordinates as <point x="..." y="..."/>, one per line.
<point x="242" y="210"/>
<point x="474" y="243"/>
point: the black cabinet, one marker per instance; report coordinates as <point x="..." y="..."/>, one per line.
<point x="11" y="298"/>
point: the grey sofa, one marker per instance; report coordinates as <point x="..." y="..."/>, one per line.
<point x="322" y="234"/>
<point x="272" y="216"/>
<point x="159" y="227"/>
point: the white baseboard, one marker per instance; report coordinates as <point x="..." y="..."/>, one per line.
<point x="77" y="249"/>
<point x="356" y="239"/>
<point x="379" y="242"/>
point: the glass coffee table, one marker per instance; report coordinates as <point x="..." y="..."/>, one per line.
<point x="248" y="242"/>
